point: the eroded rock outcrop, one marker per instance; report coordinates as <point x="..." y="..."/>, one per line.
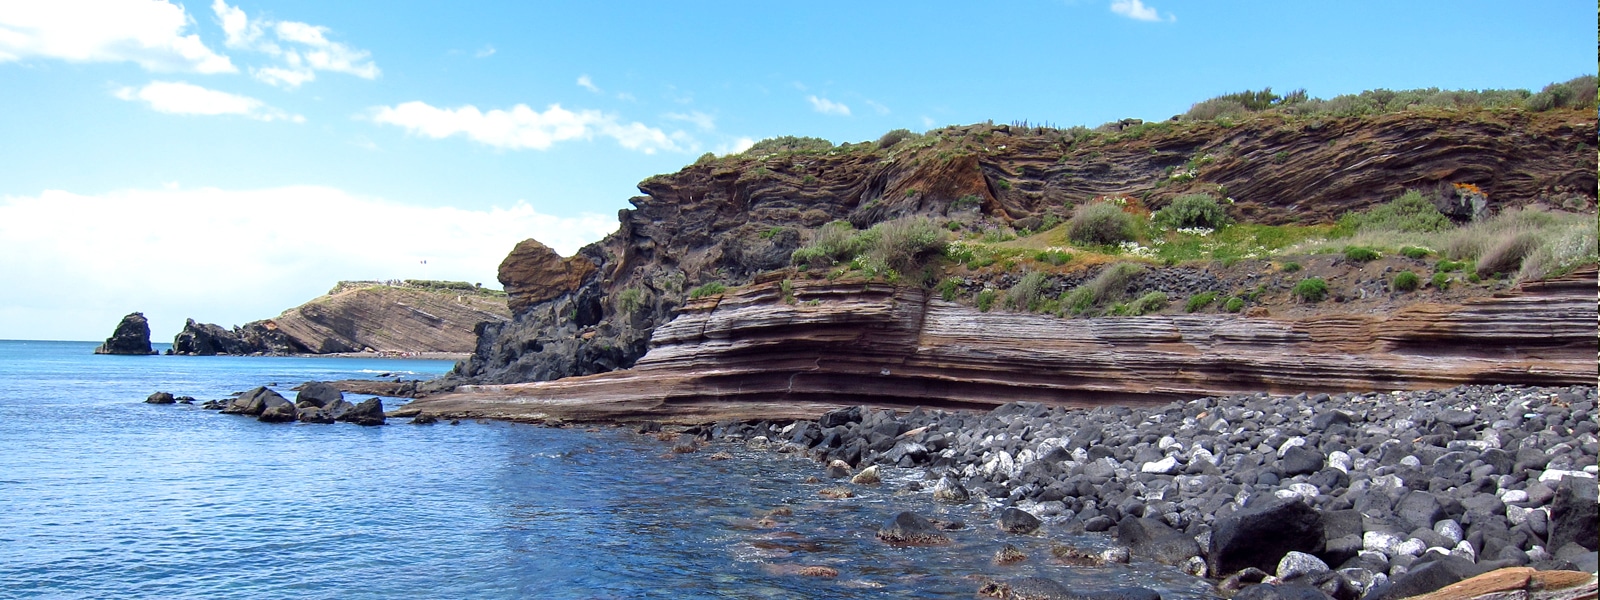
<point x="132" y="336"/>
<point x="757" y="353"/>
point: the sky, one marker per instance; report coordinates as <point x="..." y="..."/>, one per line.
<point x="227" y="160"/>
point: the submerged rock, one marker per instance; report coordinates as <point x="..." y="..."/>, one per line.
<point x="367" y="412"/>
<point x="913" y="529"/>
<point x="131" y="337"/>
<point x="161" y="398"/>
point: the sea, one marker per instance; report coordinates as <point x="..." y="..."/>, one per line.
<point x="104" y="496"/>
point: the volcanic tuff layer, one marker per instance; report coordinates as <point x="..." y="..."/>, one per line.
<point x="725" y="220"/>
<point x="755" y="353"/>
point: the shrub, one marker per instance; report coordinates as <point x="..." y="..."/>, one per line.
<point x="630" y="300"/>
<point x="706" y="158"/>
<point x="789" y="143"/>
<point x="710" y="289"/>
<point x="1146" y="304"/>
<point x="1054" y="257"/>
<point x="1506" y="255"/>
<point x="1199" y="301"/>
<point x="1360" y="254"/>
<point x="1192" y="210"/>
<point x="896" y="136"/>
<point x="1441" y="281"/>
<point x="903" y="245"/>
<point x="1406" y="281"/>
<point x="949" y="288"/>
<point x="1560" y="254"/>
<point x="1290" y="267"/>
<point x="985" y="300"/>
<point x="1311" y="289"/>
<point x="1576" y="92"/>
<point x="1414" y="252"/>
<point x="1026" y="293"/>
<point x="1100" y="223"/>
<point x="1411" y="212"/>
<point x="832" y="243"/>
<point x="1447" y="266"/>
<point x="1110" y="284"/>
<point x="1233" y="305"/>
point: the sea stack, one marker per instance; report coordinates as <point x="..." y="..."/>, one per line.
<point x="131" y="337"/>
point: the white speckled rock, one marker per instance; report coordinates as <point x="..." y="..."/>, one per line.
<point x="1411" y="547"/>
<point x="1340" y="460"/>
<point x="1450" y="530"/>
<point x="1165" y="466"/>
<point x="1513" y="496"/>
<point x="1296" y="564"/>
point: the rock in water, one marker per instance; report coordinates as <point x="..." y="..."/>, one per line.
<point x="1260" y="537"/>
<point x="367" y="412"/>
<point x="251" y="403"/>
<point x="160" y="398"/>
<point x="950" y="491"/>
<point x="911" y="528"/>
<point x="1016" y="520"/>
<point x="277" y="410"/>
<point x="132" y="336"/>
<point x="318" y="394"/>
<point x="1153" y="539"/>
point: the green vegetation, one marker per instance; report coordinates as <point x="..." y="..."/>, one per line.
<point x="830" y="244"/>
<point x="1192" y="210"/>
<point x="1411" y="213"/>
<point x="896" y="136"/>
<point x="1101" y="223"/>
<point x="1575" y="93"/>
<point x="1311" y="289"/>
<point x="967" y="202"/>
<point x="709" y="289"/>
<point x="1025" y="295"/>
<point x="888" y="249"/>
<point x="1233" y="305"/>
<point x="1146" y="304"/>
<point x="1053" y="257"/>
<point x="630" y="300"/>
<point x="1199" y="301"/>
<point x="949" y="288"/>
<point x="1414" y="252"/>
<point x="433" y="284"/>
<point x="789" y="143"/>
<point x="1360" y="254"/>
<point x="1291" y="266"/>
<point x="1109" y="285"/>
<point x="985" y="300"/>
<point x="1441" y="281"/>
<point x="1406" y="281"/>
<point x="786" y="287"/>
<point x="1507" y="254"/>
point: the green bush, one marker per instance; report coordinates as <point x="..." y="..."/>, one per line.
<point x="710" y="289"/>
<point x="1100" y="223"/>
<point x="630" y="300"/>
<point x="1290" y="267"/>
<point x="896" y="136"/>
<point x="830" y="244"/>
<point x="904" y="245"/>
<point x="1448" y="266"/>
<point x="1411" y="212"/>
<point x="1233" y="305"/>
<point x="949" y="289"/>
<point x="1414" y="252"/>
<point x="1192" y="210"/>
<point x="967" y="202"/>
<point x="1146" y="304"/>
<point x="1406" y="281"/>
<point x="1441" y="281"/>
<point x="1054" y="257"/>
<point x="1506" y="255"/>
<point x="1026" y="293"/>
<point x="789" y="143"/>
<point x="985" y="300"/>
<point x="1199" y="301"/>
<point x="1360" y="254"/>
<point x="1578" y="92"/>
<point x="1311" y="289"/>
<point x="1110" y="284"/>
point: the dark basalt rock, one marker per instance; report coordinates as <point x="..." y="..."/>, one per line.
<point x="252" y="402"/>
<point x="161" y="398"/>
<point x="367" y="412"/>
<point x="1300" y="460"/>
<point x="277" y="409"/>
<point x="912" y="529"/>
<point x="1259" y="537"/>
<point x="1016" y="520"/>
<point x="1283" y="591"/>
<point x="313" y="414"/>
<point x="1575" y="514"/>
<point x="131" y="337"/>
<point x="318" y="394"/>
<point x="1425" y="578"/>
<point x="1153" y="539"/>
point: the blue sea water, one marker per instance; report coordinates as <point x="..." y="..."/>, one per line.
<point x="103" y="496"/>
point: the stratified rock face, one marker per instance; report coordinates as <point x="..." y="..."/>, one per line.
<point x="533" y="273"/>
<point x="729" y="219"/>
<point x="132" y="336"/>
<point x="258" y="337"/>
<point x="751" y="354"/>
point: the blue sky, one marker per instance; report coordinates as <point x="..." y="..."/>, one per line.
<point x="226" y="160"/>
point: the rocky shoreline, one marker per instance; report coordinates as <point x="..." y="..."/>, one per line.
<point x="1375" y="495"/>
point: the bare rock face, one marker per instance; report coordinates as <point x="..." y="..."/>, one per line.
<point x="533" y="273"/>
<point x="132" y="336"/>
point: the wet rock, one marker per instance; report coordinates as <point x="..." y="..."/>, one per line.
<point x="1009" y="554"/>
<point x="277" y="410"/>
<point x="867" y="476"/>
<point x="836" y="493"/>
<point x="367" y="412"/>
<point x="424" y="419"/>
<point x="1153" y="539"/>
<point x="911" y="529"/>
<point x="131" y="337"/>
<point x="949" y="491"/>
<point x="321" y="416"/>
<point x="1073" y="556"/>
<point x="161" y="398"/>
<point x="251" y="402"/>
<point x="1260" y="537"/>
<point x="318" y="394"/>
<point x="818" y="571"/>
<point x="1016" y="520"/>
<point x="838" y="469"/>
<point x="1281" y="591"/>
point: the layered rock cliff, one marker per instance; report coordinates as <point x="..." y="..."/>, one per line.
<point x="762" y="352"/>
<point x="728" y="219"/>
<point x="394" y="317"/>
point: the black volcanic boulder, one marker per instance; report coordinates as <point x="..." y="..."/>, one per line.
<point x="252" y="402"/>
<point x="277" y="410"/>
<point x="367" y="412"/>
<point x="1300" y="460"/>
<point x="160" y="398"/>
<point x="318" y="394"/>
<point x="910" y="528"/>
<point x="1260" y="536"/>
<point x="206" y="339"/>
<point x="1153" y="539"/>
<point x="132" y="336"/>
<point x="1573" y="514"/>
<point x="1016" y="520"/>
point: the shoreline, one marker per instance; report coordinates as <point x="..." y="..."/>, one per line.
<point x="1406" y="492"/>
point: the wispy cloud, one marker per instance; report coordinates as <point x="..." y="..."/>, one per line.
<point x="485" y="52"/>
<point x="150" y="33"/>
<point x="180" y="98"/>
<point x="702" y="120"/>
<point x="879" y="108"/>
<point x="301" y="49"/>
<point x="63" y="251"/>
<point x="522" y="127"/>
<point x="586" y="83"/>
<point x="828" y="107"/>
<point x="736" y="146"/>
<point x="1135" y="9"/>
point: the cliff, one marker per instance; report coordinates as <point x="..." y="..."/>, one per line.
<point x="725" y="220"/>
<point x="761" y="353"/>
<point x="394" y="317"/>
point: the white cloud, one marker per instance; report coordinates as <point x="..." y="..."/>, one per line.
<point x="828" y="107"/>
<point x="523" y="127"/>
<point x="301" y="49"/>
<point x="75" y="263"/>
<point x="927" y="122"/>
<point x="699" y="119"/>
<point x="881" y="109"/>
<point x="738" y="145"/>
<point x="586" y="83"/>
<point x="1135" y="9"/>
<point x="180" y="98"/>
<point x="485" y="52"/>
<point x="150" y="33"/>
